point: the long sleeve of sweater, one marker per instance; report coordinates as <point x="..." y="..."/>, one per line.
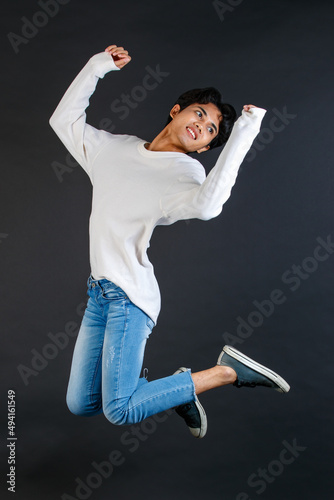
<point x="190" y="197"/>
<point x="69" y="119"/>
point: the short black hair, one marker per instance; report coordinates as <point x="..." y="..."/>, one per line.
<point x="205" y="96"/>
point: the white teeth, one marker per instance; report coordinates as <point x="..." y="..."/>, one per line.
<point x="192" y="132"/>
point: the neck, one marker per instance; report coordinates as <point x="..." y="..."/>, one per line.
<point x="164" y="142"/>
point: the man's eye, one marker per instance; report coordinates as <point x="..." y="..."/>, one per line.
<point x="210" y="130"/>
<point x="199" y="113"/>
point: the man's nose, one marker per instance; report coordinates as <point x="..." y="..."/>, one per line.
<point x="199" y="126"/>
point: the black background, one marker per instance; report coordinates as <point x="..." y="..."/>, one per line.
<point x="274" y="54"/>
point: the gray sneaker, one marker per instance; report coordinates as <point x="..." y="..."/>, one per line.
<point x="193" y="414"/>
<point x="249" y="372"/>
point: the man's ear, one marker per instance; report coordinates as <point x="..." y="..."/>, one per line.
<point x="203" y="149"/>
<point x="175" y="110"/>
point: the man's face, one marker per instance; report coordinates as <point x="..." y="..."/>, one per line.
<point x="195" y="126"/>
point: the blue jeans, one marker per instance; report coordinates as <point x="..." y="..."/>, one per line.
<point x="108" y="358"/>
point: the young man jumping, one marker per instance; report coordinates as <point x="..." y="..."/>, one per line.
<point x="137" y="186"/>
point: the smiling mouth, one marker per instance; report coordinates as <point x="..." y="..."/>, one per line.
<point x="191" y="133"/>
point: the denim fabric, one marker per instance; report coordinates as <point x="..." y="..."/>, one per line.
<point x="108" y="358"/>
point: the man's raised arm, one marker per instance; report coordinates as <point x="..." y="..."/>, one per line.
<point x="69" y="118"/>
<point x="205" y="199"/>
<point x="216" y="189"/>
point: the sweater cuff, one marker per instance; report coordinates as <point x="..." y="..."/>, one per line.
<point x="103" y="63"/>
<point x="257" y="112"/>
<point x="251" y="118"/>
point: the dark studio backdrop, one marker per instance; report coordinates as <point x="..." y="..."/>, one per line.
<point x="259" y="276"/>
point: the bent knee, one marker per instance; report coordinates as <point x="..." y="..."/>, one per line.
<point x="118" y="415"/>
<point x="82" y="408"/>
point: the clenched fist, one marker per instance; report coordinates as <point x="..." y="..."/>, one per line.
<point x="121" y="57"/>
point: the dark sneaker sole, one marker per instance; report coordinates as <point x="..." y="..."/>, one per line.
<point x="196" y="432"/>
<point x="282" y="385"/>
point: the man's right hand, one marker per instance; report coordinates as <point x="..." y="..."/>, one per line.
<point x="121" y="57"/>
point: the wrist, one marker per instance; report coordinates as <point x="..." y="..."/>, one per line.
<point x="103" y="63"/>
<point x="251" y="118"/>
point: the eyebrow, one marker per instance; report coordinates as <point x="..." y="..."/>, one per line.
<point x="206" y="114"/>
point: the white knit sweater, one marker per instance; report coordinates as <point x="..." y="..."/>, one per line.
<point x="135" y="189"/>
